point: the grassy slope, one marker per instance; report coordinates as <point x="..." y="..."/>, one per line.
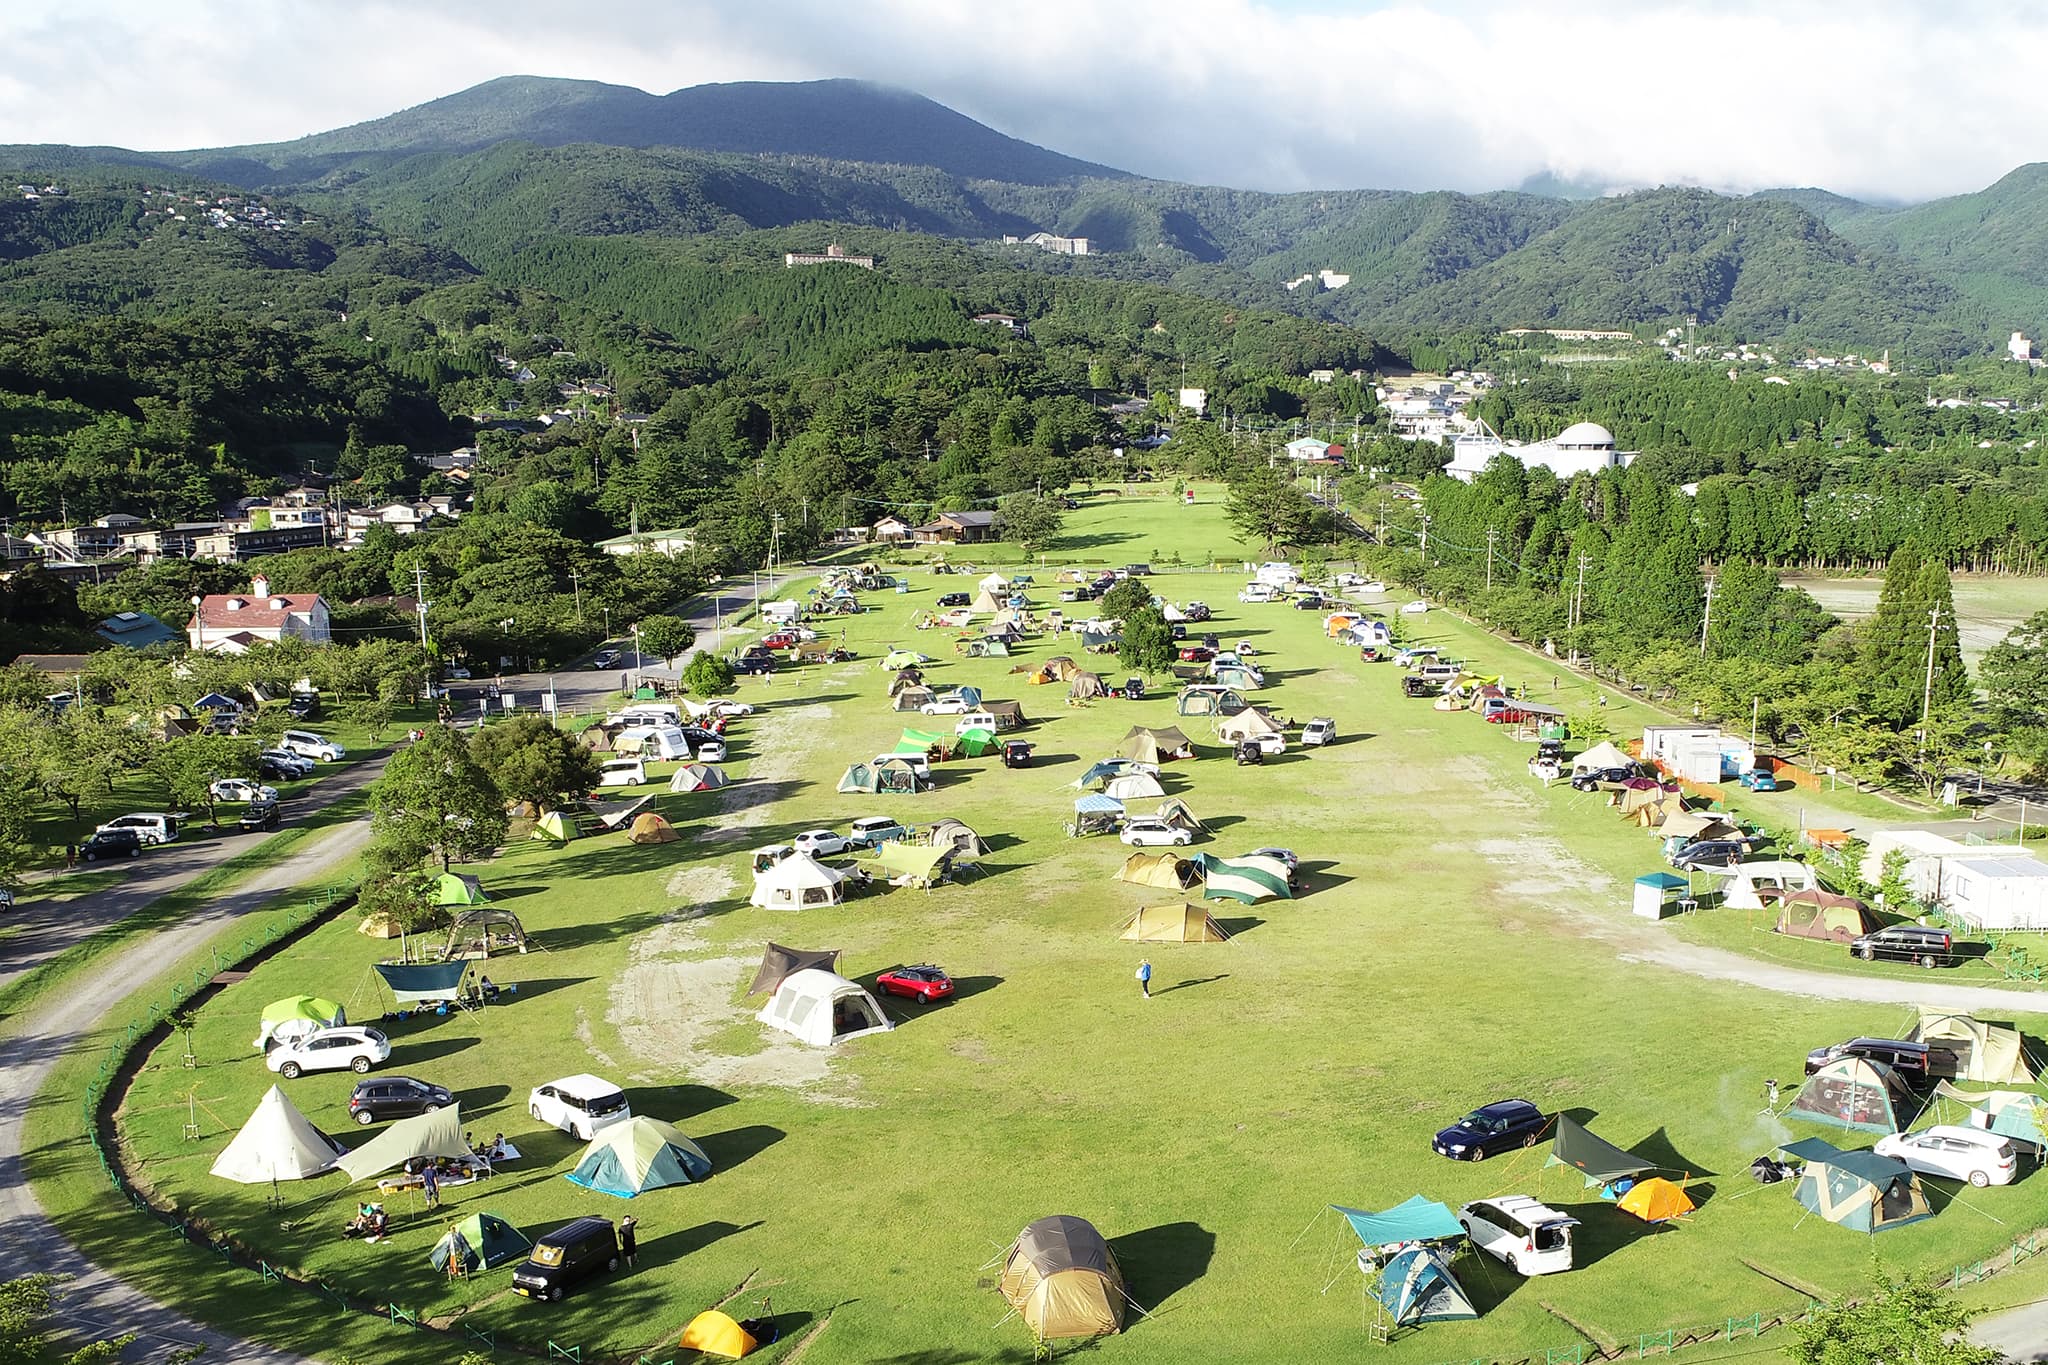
<point x="1443" y="959"/>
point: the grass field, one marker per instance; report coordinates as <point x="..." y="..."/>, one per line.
<point x="1989" y="605"/>
<point x="1457" y="944"/>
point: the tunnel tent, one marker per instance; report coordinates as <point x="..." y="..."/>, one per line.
<point x="479" y="1242"/>
<point x="1172" y="922"/>
<point x="1147" y="745"/>
<point x="628" y="1159"/>
<point x="276" y="1142"/>
<point x="778" y="962"/>
<point x="1860" y="1191"/>
<point x="1854" y="1092"/>
<point x="1593" y="1157"/>
<point x="1984" y="1052"/>
<point x="1247" y="880"/>
<point x="1819" y="913"/>
<point x="1167" y="871"/>
<point x="650" y="828"/>
<point x="713" y="1333"/>
<point x="955" y="835"/>
<point x="1417" y="1287"/>
<point x="822" y="1009"/>
<point x="1061" y="1278"/>
<point x="297" y="1016"/>
<point x="459" y="888"/>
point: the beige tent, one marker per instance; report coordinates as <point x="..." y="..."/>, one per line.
<point x="983" y="601"/>
<point x="821" y="1009"/>
<point x="913" y="698"/>
<point x="798" y="882"/>
<point x="1168" y="871"/>
<point x="1061" y="1278"/>
<point x="1249" y="723"/>
<point x="1633" y="799"/>
<point x="1601" y="755"/>
<point x="1008" y="715"/>
<point x="995" y="583"/>
<point x="1984" y="1052"/>
<point x="1086" y="686"/>
<point x="1694" y="824"/>
<point x="1174" y="922"/>
<point x="649" y="828"/>
<point x="435" y="1134"/>
<point x="277" y="1143"/>
<point x="1657" y="812"/>
<point x="955" y="834"/>
<point x="1155" y="746"/>
<point x="1132" y="787"/>
<point x="379" y="924"/>
<point x="1175" y="812"/>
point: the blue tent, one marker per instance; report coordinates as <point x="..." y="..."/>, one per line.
<point x="1417" y="1287"/>
<point x="970" y="695"/>
<point x="640" y="1154"/>
<point x="214" y="701"/>
<point x="413" y="982"/>
<point x="1417" y="1220"/>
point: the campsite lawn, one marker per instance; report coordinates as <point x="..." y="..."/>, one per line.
<point x="1464" y="937"/>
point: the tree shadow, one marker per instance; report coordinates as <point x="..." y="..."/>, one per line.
<point x="567" y="937"/>
<point x="681" y="1101"/>
<point x="1216" y="822"/>
<point x="1159" y="1262"/>
<point x="996" y="843"/>
<point x="674" y="1246"/>
<point x="735" y="1145"/>
<point x="1192" y="981"/>
<point x="506" y="893"/>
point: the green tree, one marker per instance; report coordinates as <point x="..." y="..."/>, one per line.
<point x="1146" y="643"/>
<point x="666" y="636"/>
<point x="1908" y="1322"/>
<point x="1266" y="508"/>
<point x="1029" y="520"/>
<point x="707" y="675"/>
<point x="189" y="765"/>
<point x="2015" y="670"/>
<point x="26" y="1304"/>
<point x="372" y="713"/>
<point x="1126" y="599"/>
<point x="435" y="799"/>
<point x="533" y="762"/>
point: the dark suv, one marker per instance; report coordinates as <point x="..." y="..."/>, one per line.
<point x="1907" y="943"/>
<point x="1491" y="1130"/>
<point x="111" y="843"/>
<point x="395" y="1097"/>
<point x="259" y="816"/>
<point x="954" y="599"/>
<point x="1916" y="1062"/>
<point x="1709" y="853"/>
<point x="1592" y="778"/>
<point x="566" y="1257"/>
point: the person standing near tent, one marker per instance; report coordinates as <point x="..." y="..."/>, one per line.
<point x="430" y="1184"/>
<point x="629" y="1246"/>
<point x="1145" y="977"/>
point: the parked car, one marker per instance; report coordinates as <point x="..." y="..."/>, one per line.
<point x="1490" y="1130"/>
<point x="110" y="843"/>
<point x="954" y="599"/>
<point x="1591" y="778"/>
<point x="1761" y="780"/>
<point x="260" y="816"/>
<point x="1196" y="611"/>
<point x="241" y="789"/>
<point x="707" y="747"/>
<point x="781" y="639"/>
<point x="1917" y="1063"/>
<point x="923" y="983"/>
<point x="1929" y="948"/>
<point x="309" y="745"/>
<point x="1258" y="592"/>
<point x="1283" y="855"/>
<point x="6" y="899"/>
<point x="621" y="772"/>
<point x="458" y="673"/>
<point x="1137" y="570"/>
<point x="952" y="704"/>
<point x="1322" y="730"/>
<point x="1954" y="1152"/>
<point x="282" y="765"/>
<point x="343" y="1047"/>
<point x="1149" y="831"/>
<point x="1246" y="752"/>
<point x="606" y="658"/>
<point x="821" y="843"/>
<point x="1415" y="608"/>
<point x="1531" y="1238"/>
<point x="918" y="763"/>
<point x="395" y="1097"/>
<point x="562" y="1259"/>
<point x="1267" y="744"/>
<point x="1017" y="753"/>
<point x="872" y="831"/>
<point x="1412" y="686"/>
<point x="303" y="706"/>
<point x="1701" y="853"/>
<point x="152" y="827"/>
<point x="1197" y="654"/>
<point x="1310" y="601"/>
<point x="581" y="1106"/>
<point x="722" y="707"/>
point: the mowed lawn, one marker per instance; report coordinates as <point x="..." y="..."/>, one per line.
<point x="1457" y="944"/>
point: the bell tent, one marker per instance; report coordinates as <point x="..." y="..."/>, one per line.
<point x="277" y="1142"/>
<point x="821" y="1009"/>
<point x="1983" y="1052"/>
<point x="1600" y="756"/>
<point x="1247" y="880"/>
<point x="296" y="1016"/>
<point x="1655" y="1200"/>
<point x="479" y="1242"/>
<point x="649" y="828"/>
<point x="778" y="962"/>
<point x="1062" y="1279"/>
<point x="712" y="1333"/>
<point x="1860" y="1191"/>
<point x="1417" y="1287"/>
<point x="1167" y="871"/>
<point x="641" y="1154"/>
<point x="1173" y="922"/>
<point x="1817" y="913"/>
<point x="1854" y="1093"/>
<point x="459" y="888"/>
<point x="697" y="777"/>
<point x="798" y="882"/>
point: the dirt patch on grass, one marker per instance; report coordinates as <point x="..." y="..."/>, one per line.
<point x="777" y="760"/>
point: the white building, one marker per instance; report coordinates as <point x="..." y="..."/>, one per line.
<point x="229" y="623"/>
<point x="1195" y="400"/>
<point x="1583" y="448"/>
<point x="2019" y="348"/>
<point x="1307" y="448"/>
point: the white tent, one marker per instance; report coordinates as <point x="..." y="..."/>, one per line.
<point x="276" y="1143"/>
<point x="1131" y="786"/>
<point x="994" y="583"/>
<point x="796" y="883"/>
<point x="435" y="1134"/>
<point x="1601" y="755"/>
<point x="822" y="1008"/>
<point x="1744" y="880"/>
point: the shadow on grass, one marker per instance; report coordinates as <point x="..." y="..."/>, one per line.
<point x="1241" y="924"/>
<point x="1192" y="981"/>
<point x="1487" y="1283"/>
<point x="1159" y="1262"/>
<point x="734" y="1146"/>
<point x="540" y="985"/>
<point x="678" y="1102"/>
<point x="1657" y="1147"/>
<point x="1603" y="1230"/>
<point x="674" y="1246"/>
<point x="1317" y="876"/>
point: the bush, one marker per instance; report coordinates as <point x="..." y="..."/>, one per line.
<point x="707" y="675"/>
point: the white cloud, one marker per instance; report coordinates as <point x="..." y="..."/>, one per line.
<point x="1888" y="99"/>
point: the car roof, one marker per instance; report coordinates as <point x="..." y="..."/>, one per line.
<point x="574" y="1229"/>
<point x="1960" y="1132"/>
<point x="1528" y="1208"/>
<point x="583" y="1085"/>
<point x="1503" y="1108"/>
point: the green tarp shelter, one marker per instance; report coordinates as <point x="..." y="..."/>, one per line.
<point x="1595" y="1158"/>
<point x="1246" y="880"/>
<point x="641" y="1154"/>
<point x="479" y="1242"/>
<point x="459" y="888"/>
<point x="924" y="741"/>
<point x="414" y="983"/>
<point x="921" y="864"/>
<point x="297" y="1014"/>
<point x="557" y="826"/>
<point x="1860" y="1191"/>
<point x="1417" y="1287"/>
<point x="435" y="1134"/>
<point x="1416" y="1219"/>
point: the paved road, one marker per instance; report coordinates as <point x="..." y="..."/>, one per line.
<point x="2022" y="1333"/>
<point x="48" y="927"/>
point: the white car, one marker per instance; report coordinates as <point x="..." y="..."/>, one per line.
<point x="306" y="744"/>
<point x="345" y="1047"/>
<point x="952" y="704"/>
<point x="721" y="707"/>
<point x="918" y="763"/>
<point x="1372" y="585"/>
<point x="580" y="1106"/>
<point x="1268" y="744"/>
<point x="151" y="827"/>
<point x="711" y="749"/>
<point x="1530" y="1237"/>
<point x="1415" y="608"/>
<point x="621" y="772"/>
<point x="1348" y="580"/>
<point x="1321" y="730"/>
<point x="1258" y="592"/>
<point x="459" y="673"/>
<point x="1149" y="831"/>
<point x="1951" y="1150"/>
<point x="820" y="843"/>
<point x="241" y="789"/>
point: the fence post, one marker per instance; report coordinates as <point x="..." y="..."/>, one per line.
<point x="1753" y="1325"/>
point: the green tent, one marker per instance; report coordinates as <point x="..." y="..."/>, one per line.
<point x="1860" y="1190"/>
<point x="921" y="863"/>
<point x="1417" y="1287"/>
<point x="904" y="658"/>
<point x="298" y="1013"/>
<point x="640" y="1154"/>
<point x="975" y="743"/>
<point x="459" y="888"/>
<point x="859" y="778"/>
<point x="557" y="826"/>
<point x="479" y="1242"/>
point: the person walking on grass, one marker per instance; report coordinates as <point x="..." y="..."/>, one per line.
<point x="430" y="1182"/>
<point x="629" y="1246"/>
<point x="1145" y="977"/>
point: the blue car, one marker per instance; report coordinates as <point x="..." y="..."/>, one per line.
<point x="1760" y="780"/>
<point x="1491" y="1130"/>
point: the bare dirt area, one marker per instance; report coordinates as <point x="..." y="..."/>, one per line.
<point x="776" y="761"/>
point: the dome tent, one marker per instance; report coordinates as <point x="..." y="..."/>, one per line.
<point x="638" y="1155"/>
<point x="798" y="882"/>
<point x="1854" y="1092"/>
<point x="821" y="1008"/>
<point x="649" y="828"/>
<point x="459" y="888"/>
<point x="1062" y="1279"/>
<point x="296" y="1016"/>
<point x="697" y="777"/>
<point x="557" y="826"/>
<point x="277" y="1142"/>
<point x="479" y="1242"/>
<point x="715" y="1334"/>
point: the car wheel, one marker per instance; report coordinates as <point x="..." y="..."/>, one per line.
<point x="1867" y="953"/>
<point x="365" y="1117"/>
<point x="359" y="1065"/>
<point x="430" y="1107"/>
<point x="925" y="998"/>
<point x="534" y="1110"/>
<point x="1530" y="1141"/>
<point x="612" y="1264"/>
<point x="1515" y="1264"/>
<point x="555" y="1293"/>
<point x="1928" y="962"/>
<point x="135" y="852"/>
<point x="290" y="1071"/>
<point x="1979" y="1179"/>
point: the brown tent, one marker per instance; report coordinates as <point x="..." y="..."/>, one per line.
<point x="1009" y="714"/>
<point x="1175" y="812"/>
<point x="905" y="677"/>
<point x="1085" y="686"/>
<point x="598" y="739"/>
<point x="1823" y="914"/>
<point x="1061" y="1278"/>
<point x="1174" y="922"/>
<point x="778" y="962"/>
<point x="1155" y="746"/>
<point x="1060" y="668"/>
<point x="913" y="698"/>
<point x="649" y="828"/>
<point x="1168" y="871"/>
<point x="1249" y="723"/>
<point x="379" y="924"/>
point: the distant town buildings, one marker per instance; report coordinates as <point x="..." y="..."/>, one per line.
<point x="1324" y="279"/>
<point x="834" y="254"/>
<point x="1195" y="400"/>
<point x="231" y="623"/>
<point x="1047" y="241"/>
<point x="2019" y="348"/>
<point x="670" y="543"/>
<point x="1573" y="333"/>
<point x="1583" y="448"/>
<point x="957" y="528"/>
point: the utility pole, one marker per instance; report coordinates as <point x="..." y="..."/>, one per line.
<point x="576" y="582"/>
<point x="1927" y="689"/>
<point x="1492" y="534"/>
<point x="419" y="582"/>
<point x="1425" y="540"/>
<point x="1707" y="616"/>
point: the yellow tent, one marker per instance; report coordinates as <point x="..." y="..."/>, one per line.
<point x="557" y="826"/>
<point x="1061" y="1278"/>
<point x="649" y="828"/>
<point x="1173" y="923"/>
<point x="379" y="925"/>
<point x="1167" y="870"/>
<point x="715" y="1334"/>
<point x="1656" y="1200"/>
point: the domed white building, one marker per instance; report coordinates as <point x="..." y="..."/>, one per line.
<point x="1582" y="448"/>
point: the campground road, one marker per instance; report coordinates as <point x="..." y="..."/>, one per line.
<point x="2022" y="1333"/>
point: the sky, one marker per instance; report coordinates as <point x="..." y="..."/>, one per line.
<point x="1885" y="99"/>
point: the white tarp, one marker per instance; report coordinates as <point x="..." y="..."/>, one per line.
<point x="435" y="1134"/>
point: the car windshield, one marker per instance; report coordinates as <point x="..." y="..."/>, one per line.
<point x="1476" y="1123"/>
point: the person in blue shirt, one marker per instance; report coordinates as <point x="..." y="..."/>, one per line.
<point x="1145" y="977"/>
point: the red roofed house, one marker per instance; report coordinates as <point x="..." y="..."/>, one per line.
<point x="229" y="623"/>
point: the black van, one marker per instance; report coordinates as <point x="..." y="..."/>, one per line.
<point x="1916" y="1063"/>
<point x="566" y="1257"/>
<point x="1907" y="943"/>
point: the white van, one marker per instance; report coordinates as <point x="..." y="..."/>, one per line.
<point x="664" y="743"/>
<point x="621" y="772"/>
<point x="647" y="713"/>
<point x="1278" y="573"/>
<point x="1531" y="1238"/>
<point x="151" y="827"/>
<point x="975" y="720"/>
<point x="309" y="745"/>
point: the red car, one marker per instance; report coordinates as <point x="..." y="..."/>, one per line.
<point x="781" y="639"/>
<point x="1197" y="654"/>
<point x="923" y="984"/>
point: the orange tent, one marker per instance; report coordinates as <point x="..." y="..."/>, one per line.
<point x="1656" y="1200"/>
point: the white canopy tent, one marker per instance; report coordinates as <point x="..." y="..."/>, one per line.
<point x="1741" y="882"/>
<point x="1601" y="755"/>
<point x="822" y="1008"/>
<point x="798" y="882"/>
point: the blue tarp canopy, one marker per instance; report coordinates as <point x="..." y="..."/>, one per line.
<point x="1663" y="881"/>
<point x="1096" y="802"/>
<point x="1418" y="1220"/>
<point x="417" y="981"/>
<point x="214" y="701"/>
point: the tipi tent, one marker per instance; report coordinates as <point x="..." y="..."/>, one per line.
<point x="296" y="1016"/>
<point x="995" y="584"/>
<point x="1155" y="746"/>
<point x="1861" y="1191"/>
<point x="277" y="1142"/>
<point x="778" y="962"/>
<point x="1168" y="871"/>
<point x="638" y="1155"/>
<point x="1595" y="1158"/>
<point x="649" y="828"/>
<point x="986" y="601"/>
<point x="697" y="777"/>
<point x="798" y="882"/>
<point x="712" y="1333"/>
<point x="1175" y="812"/>
<point x="479" y="1242"/>
<point x="1854" y="1093"/>
<point x="822" y="1009"/>
<point x="1601" y="755"/>
<point x="1173" y="922"/>
<point x="459" y="888"/>
<point x="1249" y="723"/>
<point x="1656" y="1200"/>
<point x="1061" y="1278"/>
<point x="1247" y="880"/>
<point x="435" y="1134"/>
<point x="1133" y="786"/>
<point x="1417" y="1287"/>
<point x="1817" y="913"/>
<point x="557" y="826"/>
<point x="1983" y="1052"/>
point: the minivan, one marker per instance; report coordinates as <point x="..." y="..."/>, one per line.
<point x="566" y="1257"/>
<point x="310" y="745"/>
<point x="1916" y="1063"/>
<point x="151" y="827"/>
<point x="1907" y="943"/>
<point x="1530" y="1237"/>
<point x="621" y="772"/>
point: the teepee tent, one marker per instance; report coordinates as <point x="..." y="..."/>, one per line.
<point x="641" y="1154"/>
<point x="557" y="826"/>
<point x="459" y="888"/>
<point x="712" y="1333"/>
<point x="649" y="828"/>
<point x="1247" y="880"/>
<point x="987" y="602"/>
<point x="1983" y="1052"/>
<point x="1168" y="871"/>
<point x="798" y="882"/>
<point x="1417" y="1287"/>
<point x="276" y="1142"/>
<point x="1061" y="1278"/>
<point x="1174" y="922"/>
<point x="822" y="1009"/>
<point x="1601" y="755"/>
<point x="435" y="1134"/>
<point x="697" y="777"/>
<point x="297" y="1015"/>
<point x="479" y="1242"/>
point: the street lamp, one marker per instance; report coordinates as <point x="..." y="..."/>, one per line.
<point x="607" y="623"/>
